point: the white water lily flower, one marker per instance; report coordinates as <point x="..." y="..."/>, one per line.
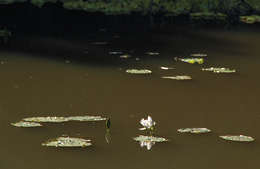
<point x="147" y="123"/>
<point x="147" y="144"/>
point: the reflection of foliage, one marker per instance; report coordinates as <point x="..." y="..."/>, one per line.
<point x="167" y="7"/>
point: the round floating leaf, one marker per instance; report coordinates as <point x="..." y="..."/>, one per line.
<point x="194" y="130"/>
<point x="26" y="124"/>
<point x="67" y="142"/>
<point x="177" y="77"/>
<point x="138" y="71"/>
<point x="166" y="68"/>
<point x="46" y="119"/>
<point x="152" y="53"/>
<point x="240" y="138"/>
<point x="125" y="56"/>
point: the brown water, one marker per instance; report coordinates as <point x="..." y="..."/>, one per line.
<point x="43" y="78"/>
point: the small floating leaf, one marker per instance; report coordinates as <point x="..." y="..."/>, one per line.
<point x="177" y="77"/>
<point x="198" y="55"/>
<point x="148" y="141"/>
<point x="116" y="53"/>
<point x="194" y="130"/>
<point x="125" y="56"/>
<point x="240" y="138"/>
<point x="67" y="142"/>
<point x="166" y="68"/>
<point x="26" y="124"/>
<point x="219" y="70"/>
<point x="152" y="53"/>
<point x="139" y="71"/>
<point x="99" y="43"/>
<point x="85" y="118"/>
<point x="192" y="60"/>
<point x="46" y="119"/>
<point x="150" y="138"/>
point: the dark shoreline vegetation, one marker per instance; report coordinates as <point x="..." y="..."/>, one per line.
<point x="55" y="16"/>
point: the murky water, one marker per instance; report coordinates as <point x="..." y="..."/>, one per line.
<point x="55" y="77"/>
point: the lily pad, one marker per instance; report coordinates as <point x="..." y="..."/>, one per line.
<point x="198" y="55"/>
<point x="250" y="19"/>
<point x="26" y="124"/>
<point x="116" y="53"/>
<point x="85" y="118"/>
<point x="192" y="60"/>
<point x="47" y="119"/>
<point x="166" y="68"/>
<point x="125" y="56"/>
<point x="150" y="138"/>
<point x="152" y="53"/>
<point x="194" y="130"/>
<point x="177" y="77"/>
<point x="67" y="142"/>
<point x="240" y="138"/>
<point x="138" y="71"/>
<point x="219" y="70"/>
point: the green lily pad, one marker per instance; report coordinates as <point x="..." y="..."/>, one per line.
<point x="194" y="130"/>
<point x="177" y="77"/>
<point x="47" y="119"/>
<point x="26" y="124"/>
<point x="138" y="71"/>
<point x="67" y="142"/>
<point x="239" y="138"/>
<point x="150" y="138"/>
<point x="192" y="60"/>
<point x="86" y="118"/>
<point x="219" y="70"/>
<point x="166" y="68"/>
<point x="250" y="19"/>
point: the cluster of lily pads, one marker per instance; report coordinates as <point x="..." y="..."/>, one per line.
<point x="149" y="140"/>
<point x="61" y="141"/>
<point x="196" y="58"/>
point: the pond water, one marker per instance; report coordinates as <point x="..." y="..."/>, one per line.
<point x="44" y="76"/>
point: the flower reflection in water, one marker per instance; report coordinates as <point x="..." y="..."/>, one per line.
<point x="147" y="144"/>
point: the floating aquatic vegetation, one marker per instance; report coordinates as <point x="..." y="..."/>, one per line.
<point x="26" y="124"/>
<point x="125" y="56"/>
<point x="99" y="43"/>
<point x="152" y="53"/>
<point x="192" y="60"/>
<point x="116" y="53"/>
<point x="208" y="16"/>
<point x="250" y="19"/>
<point x="240" y="138"/>
<point x="166" y="68"/>
<point x="198" y="55"/>
<point x="149" y="141"/>
<point x="148" y="124"/>
<point x="47" y="119"/>
<point x="85" y="118"/>
<point x="138" y="71"/>
<point x="219" y="70"/>
<point x="194" y="130"/>
<point x="67" y="142"/>
<point x="177" y="77"/>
